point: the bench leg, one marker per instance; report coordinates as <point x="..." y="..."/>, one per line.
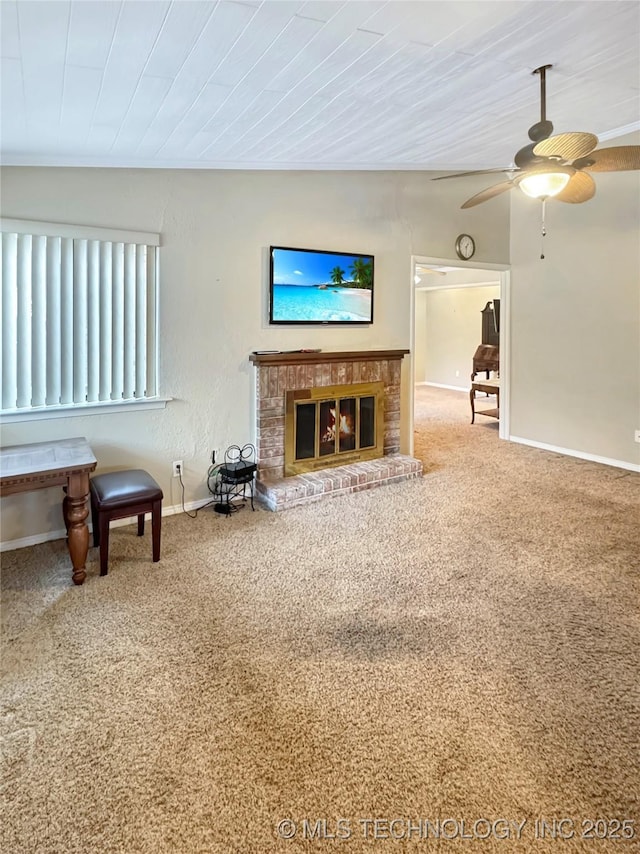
<point x="65" y="511"/>
<point x="95" y="523"/>
<point x="103" y="526"/>
<point x="141" y="524"/>
<point x="156" y="523"/>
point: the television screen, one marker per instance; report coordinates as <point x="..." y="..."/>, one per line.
<point x="314" y="286"/>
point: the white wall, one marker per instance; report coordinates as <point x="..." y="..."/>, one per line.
<point x="451" y="331"/>
<point x="575" y="334"/>
<point x="216" y="228"/>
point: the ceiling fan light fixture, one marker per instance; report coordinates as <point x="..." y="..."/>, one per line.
<point x="544" y="183"/>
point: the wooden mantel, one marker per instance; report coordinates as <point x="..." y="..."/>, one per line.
<point x="306" y="357"/>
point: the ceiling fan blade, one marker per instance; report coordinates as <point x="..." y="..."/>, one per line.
<point x="476" y="172"/>
<point x="487" y="194"/>
<point x="581" y="188"/>
<point x="567" y="146"/>
<point x="620" y="158"/>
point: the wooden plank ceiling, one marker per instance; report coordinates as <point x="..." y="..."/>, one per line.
<point x="284" y="84"/>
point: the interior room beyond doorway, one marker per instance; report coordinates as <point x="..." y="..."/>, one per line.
<point x="449" y="325"/>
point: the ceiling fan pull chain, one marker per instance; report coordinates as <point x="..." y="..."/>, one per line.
<point x="544" y="229"/>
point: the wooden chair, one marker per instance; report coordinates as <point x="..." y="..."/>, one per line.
<point x="119" y="494"/>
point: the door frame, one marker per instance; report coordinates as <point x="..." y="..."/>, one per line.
<point x="504" y="273"/>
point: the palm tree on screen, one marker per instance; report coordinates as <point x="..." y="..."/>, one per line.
<point x="337" y="276"/>
<point x="362" y="273"/>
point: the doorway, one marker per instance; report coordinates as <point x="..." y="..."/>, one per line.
<point x="440" y="275"/>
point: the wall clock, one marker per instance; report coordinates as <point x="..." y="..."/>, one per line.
<point x="465" y="246"/>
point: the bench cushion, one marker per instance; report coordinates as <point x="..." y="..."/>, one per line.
<point x="124" y="488"/>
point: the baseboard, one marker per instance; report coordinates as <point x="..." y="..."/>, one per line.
<point x="48" y="536"/>
<point x="582" y="455"/>
<point x="450" y="387"/>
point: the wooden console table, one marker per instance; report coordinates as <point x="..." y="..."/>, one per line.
<point x="64" y="462"/>
<point x="489" y="387"/>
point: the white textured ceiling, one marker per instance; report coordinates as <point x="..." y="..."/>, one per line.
<point x="318" y="84"/>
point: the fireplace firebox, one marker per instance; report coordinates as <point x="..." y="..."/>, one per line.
<point x="333" y="425"/>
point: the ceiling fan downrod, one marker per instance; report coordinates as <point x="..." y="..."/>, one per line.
<point x="542" y="129"/>
<point x="542" y="71"/>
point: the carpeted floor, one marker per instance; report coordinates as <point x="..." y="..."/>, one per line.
<point x="464" y="648"/>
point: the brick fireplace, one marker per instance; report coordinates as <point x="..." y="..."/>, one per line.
<point x="280" y="377"/>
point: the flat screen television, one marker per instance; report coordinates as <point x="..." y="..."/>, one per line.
<point x="317" y="286"/>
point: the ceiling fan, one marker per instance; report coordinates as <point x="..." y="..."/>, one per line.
<point x="557" y="166"/>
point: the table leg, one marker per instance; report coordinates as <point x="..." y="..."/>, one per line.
<point x="76" y="512"/>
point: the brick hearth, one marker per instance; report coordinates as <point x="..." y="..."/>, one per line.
<point x="278" y="373"/>
<point x="304" y="488"/>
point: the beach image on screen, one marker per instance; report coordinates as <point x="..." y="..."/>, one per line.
<point x="320" y="287"/>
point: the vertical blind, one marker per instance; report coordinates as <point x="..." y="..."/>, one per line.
<point x="79" y="315"/>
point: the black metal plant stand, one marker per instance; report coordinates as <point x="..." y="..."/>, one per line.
<point x="230" y="480"/>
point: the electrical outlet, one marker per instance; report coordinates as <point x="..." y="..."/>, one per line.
<point x="178" y="468"/>
<point x="637" y="435"/>
<point x="457" y="373"/>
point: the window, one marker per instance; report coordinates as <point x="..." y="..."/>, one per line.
<point x="79" y="316"/>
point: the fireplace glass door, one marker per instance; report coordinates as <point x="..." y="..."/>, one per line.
<point x="305" y="431"/>
<point x="342" y="425"/>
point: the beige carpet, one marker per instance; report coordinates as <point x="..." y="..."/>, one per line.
<point x="462" y="648"/>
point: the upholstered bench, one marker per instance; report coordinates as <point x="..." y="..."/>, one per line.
<point x="119" y="494"/>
